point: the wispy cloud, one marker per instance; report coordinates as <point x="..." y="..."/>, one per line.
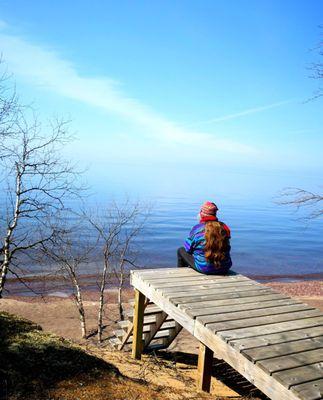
<point x="47" y="69"/>
<point x="243" y="113"/>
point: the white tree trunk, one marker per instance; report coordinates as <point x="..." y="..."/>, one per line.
<point x="101" y="299"/>
<point x="121" y="280"/>
<point x="100" y="317"/>
<point x="121" y="313"/>
<point x="4" y="271"/>
<point x="10" y="229"/>
<point x="80" y="306"/>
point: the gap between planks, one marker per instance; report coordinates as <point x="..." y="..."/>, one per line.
<point x="293" y="335"/>
<point x="283" y="349"/>
<point x="249" y="332"/>
<point x="251" y="305"/>
<point x="259" y="322"/>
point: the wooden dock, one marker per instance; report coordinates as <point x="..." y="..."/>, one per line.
<point x="274" y="341"/>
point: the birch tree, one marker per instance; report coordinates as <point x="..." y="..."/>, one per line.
<point x="69" y="255"/>
<point x="36" y="184"/>
<point x="126" y="254"/>
<point x="117" y="228"/>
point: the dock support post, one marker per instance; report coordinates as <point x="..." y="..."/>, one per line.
<point x="138" y="320"/>
<point x="204" y="368"/>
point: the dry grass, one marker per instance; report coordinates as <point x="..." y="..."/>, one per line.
<point x="41" y="366"/>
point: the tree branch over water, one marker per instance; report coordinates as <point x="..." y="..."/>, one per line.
<point x="299" y="197"/>
<point x="296" y="196"/>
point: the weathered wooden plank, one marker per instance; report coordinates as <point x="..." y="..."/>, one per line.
<point x="238" y="315"/>
<point x="185" y="294"/>
<point x="283" y="349"/>
<point x="259" y="321"/>
<point x="197" y="286"/>
<point x="212" y="291"/>
<point x="125" y="337"/>
<point x="299" y="375"/>
<point x="219" y="296"/>
<point x="192" y="279"/>
<point x="276" y="338"/>
<point x="206" y="311"/>
<point x="272" y="388"/>
<point x="149" y="310"/>
<point x="172" y="335"/>
<point x="138" y="325"/>
<point x="292" y="361"/>
<point x="186" y="276"/>
<point x="271" y="328"/>
<point x="147" y="328"/>
<point x="184" y="320"/>
<point x="257" y="300"/>
<point x="161" y="273"/>
<point x="309" y="390"/>
<point x="149" y="271"/>
<point x="157" y="275"/>
<point x="154" y="328"/>
<point x="161" y="335"/>
<point x="204" y="368"/>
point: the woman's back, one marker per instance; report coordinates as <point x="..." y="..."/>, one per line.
<point x="207" y="249"/>
<point x="211" y="253"/>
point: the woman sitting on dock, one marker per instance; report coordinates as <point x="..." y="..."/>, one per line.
<point x="207" y="249"/>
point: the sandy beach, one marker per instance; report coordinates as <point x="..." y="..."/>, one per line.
<point x="176" y="368"/>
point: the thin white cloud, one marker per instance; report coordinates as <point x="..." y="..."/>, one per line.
<point x="47" y="69"/>
<point x="249" y="111"/>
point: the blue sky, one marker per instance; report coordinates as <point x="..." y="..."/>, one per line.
<point x="163" y="89"/>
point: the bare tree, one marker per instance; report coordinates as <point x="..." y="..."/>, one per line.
<point x="10" y="110"/>
<point x="69" y="255"/>
<point x="37" y="182"/>
<point x="300" y="197"/>
<point x="125" y="252"/>
<point x="117" y="228"/>
<point x="121" y="275"/>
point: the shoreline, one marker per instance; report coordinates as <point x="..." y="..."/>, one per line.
<point x="57" y="313"/>
<point x="309" y="289"/>
<point x="48" y="285"/>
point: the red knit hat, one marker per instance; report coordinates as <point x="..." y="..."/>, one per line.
<point x="208" y="209"/>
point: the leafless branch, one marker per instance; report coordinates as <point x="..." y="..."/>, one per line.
<point x="302" y="198"/>
<point x="69" y="255"/>
<point x="38" y="182"/>
<point x="117" y="227"/>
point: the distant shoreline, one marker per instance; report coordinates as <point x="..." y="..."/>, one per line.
<point x="47" y="285"/>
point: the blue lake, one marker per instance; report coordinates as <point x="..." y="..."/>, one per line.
<point x="267" y="238"/>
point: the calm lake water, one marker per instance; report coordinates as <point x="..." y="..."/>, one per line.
<point x="267" y="239"/>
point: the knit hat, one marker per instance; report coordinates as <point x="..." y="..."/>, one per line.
<point x="208" y="209"/>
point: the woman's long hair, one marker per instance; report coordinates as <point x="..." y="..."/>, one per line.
<point x="217" y="242"/>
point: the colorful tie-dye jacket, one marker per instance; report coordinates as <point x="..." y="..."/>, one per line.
<point x="195" y="244"/>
